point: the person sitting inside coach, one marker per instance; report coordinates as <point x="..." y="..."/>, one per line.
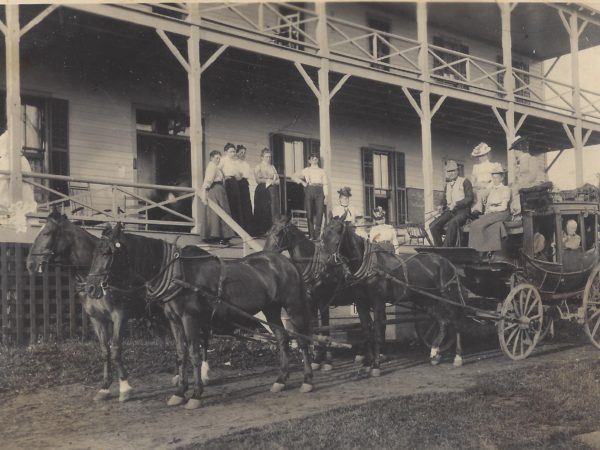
<point x="382" y="233"/>
<point x="455" y="207"/>
<point x="487" y="232"/>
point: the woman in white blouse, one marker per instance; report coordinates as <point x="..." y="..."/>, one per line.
<point x="487" y="232"/>
<point x="231" y="171"/>
<point x="267" y="205"/>
<point x="246" y="219"/>
<point x="214" y="229"/>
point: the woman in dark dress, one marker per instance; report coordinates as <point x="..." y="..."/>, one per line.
<point x="266" y="196"/>
<point x="231" y="170"/>
<point x="247" y="221"/>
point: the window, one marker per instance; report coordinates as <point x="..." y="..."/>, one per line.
<point x="290" y="26"/>
<point x="522" y="80"/>
<point x="378" y="47"/>
<point x="290" y="154"/>
<point x="384" y="182"/>
<point x="45" y="137"/>
<point x="451" y="74"/>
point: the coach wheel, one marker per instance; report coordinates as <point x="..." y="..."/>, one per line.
<point x="521" y="322"/>
<point x="591" y="307"/>
<point x="428" y="329"/>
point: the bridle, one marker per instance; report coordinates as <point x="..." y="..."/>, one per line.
<point x="282" y="236"/>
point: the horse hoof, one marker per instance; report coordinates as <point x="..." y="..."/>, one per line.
<point x="315" y="366"/>
<point x="327" y="368"/>
<point x="193" y="403"/>
<point x="359" y="358"/>
<point x="175" y="400"/>
<point x="306" y="387"/>
<point x="175" y="381"/>
<point x="375" y="372"/>
<point x="458" y="361"/>
<point x="434" y="361"/>
<point x="277" y="387"/>
<point x="102" y="394"/>
<point x="125" y="395"/>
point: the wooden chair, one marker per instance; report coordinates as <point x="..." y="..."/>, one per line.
<point x="417" y="232"/>
<point x="298" y="218"/>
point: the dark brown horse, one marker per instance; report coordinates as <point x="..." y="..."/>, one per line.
<point x="61" y="242"/>
<point x="202" y="289"/>
<point x="387" y="277"/>
<point x="325" y="283"/>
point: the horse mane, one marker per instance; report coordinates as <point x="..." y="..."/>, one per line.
<point x="145" y="255"/>
<point x="352" y="245"/>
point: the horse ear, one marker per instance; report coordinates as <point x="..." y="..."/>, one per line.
<point x="55" y="213"/>
<point x="107" y="232"/>
<point x="118" y="229"/>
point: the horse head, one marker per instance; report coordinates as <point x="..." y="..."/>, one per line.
<point x="278" y="238"/>
<point x="51" y="243"/>
<point x="333" y="237"/>
<point x="108" y="260"/>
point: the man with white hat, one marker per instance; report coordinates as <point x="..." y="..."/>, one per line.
<point x="455" y="207"/>
<point x="482" y="174"/>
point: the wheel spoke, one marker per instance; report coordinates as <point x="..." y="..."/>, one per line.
<point x="521" y="341"/>
<point x="511" y="336"/>
<point x="596" y="327"/>
<point x="535" y="301"/>
<point x="514" y="350"/>
<point x="526" y="306"/>
<point x="510" y="326"/>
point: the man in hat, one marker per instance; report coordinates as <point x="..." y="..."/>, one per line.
<point x="316" y="188"/>
<point x="455" y="207"/>
<point x="382" y="233"/>
<point x="482" y="175"/>
<point x="344" y="209"/>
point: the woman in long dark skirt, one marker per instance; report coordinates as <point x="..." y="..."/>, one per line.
<point x="267" y="205"/>
<point x="231" y="170"/>
<point x="214" y="229"/>
<point x="244" y="187"/>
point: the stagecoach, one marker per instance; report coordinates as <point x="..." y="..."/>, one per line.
<point x="535" y="279"/>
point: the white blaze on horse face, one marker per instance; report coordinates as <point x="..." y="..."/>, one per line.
<point x="434" y="352"/>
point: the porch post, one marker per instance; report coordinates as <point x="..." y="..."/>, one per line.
<point x="509" y="86"/>
<point x="195" y="106"/>
<point x="324" y="97"/>
<point x="576" y="97"/>
<point x="426" y="148"/>
<point x="13" y="100"/>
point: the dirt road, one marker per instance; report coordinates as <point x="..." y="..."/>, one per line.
<point x="67" y="417"/>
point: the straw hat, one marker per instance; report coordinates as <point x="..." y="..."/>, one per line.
<point x="481" y="149"/>
<point x="345" y="191"/>
<point x="497" y="168"/>
<point x="451" y="165"/>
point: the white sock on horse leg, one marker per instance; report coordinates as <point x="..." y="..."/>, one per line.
<point x="204" y="369"/>
<point x="124" y="386"/>
<point x="434" y="352"/>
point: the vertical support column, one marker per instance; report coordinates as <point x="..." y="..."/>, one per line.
<point x="13" y="100"/>
<point x="195" y="106"/>
<point x="426" y="147"/>
<point x="324" y="97"/>
<point x="509" y="86"/>
<point x="576" y="97"/>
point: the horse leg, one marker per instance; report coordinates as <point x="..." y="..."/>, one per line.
<point x="366" y="323"/>
<point x="328" y="354"/>
<point x="273" y="316"/>
<point x="435" y="356"/>
<point x="205" y="369"/>
<point x="125" y="389"/>
<point x="458" y="360"/>
<point x="102" y="333"/>
<point x="181" y="381"/>
<point x="319" y="349"/>
<point x="191" y="332"/>
<point x="302" y="324"/>
<point x="379" y="335"/>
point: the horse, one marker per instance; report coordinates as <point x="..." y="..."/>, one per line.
<point x="325" y="284"/>
<point x="62" y="242"/>
<point x="197" y="289"/>
<point x="385" y="276"/>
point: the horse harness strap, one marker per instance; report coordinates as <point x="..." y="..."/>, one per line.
<point x="314" y="267"/>
<point x="165" y="287"/>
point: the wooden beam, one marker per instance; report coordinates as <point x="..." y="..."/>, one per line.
<point x="339" y="85"/>
<point x="423" y="41"/>
<point x="500" y="119"/>
<point x="583" y="25"/>
<point x="413" y="102"/>
<point x="569" y="134"/>
<point x="588" y="133"/>
<point x="576" y="97"/>
<point x="437" y="105"/>
<point x="547" y="169"/>
<point x="426" y="149"/>
<point x="552" y="66"/>
<point x="308" y="79"/>
<point x="37" y="19"/>
<point x="510" y="138"/>
<point x="564" y="21"/>
<point x="520" y="122"/>
<point x="3" y="28"/>
<point x="248" y="240"/>
<point x="195" y="107"/>
<point x="13" y="100"/>
<point x="174" y="50"/>
<point x="213" y="57"/>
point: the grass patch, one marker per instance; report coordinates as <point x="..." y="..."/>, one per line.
<point x="537" y="408"/>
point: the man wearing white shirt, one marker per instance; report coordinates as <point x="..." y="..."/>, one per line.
<point x="316" y="187"/>
<point x="344" y="209"/>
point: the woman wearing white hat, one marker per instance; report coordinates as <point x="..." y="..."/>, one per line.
<point x="382" y="233"/>
<point x="487" y="232"/>
<point x="482" y="174"/>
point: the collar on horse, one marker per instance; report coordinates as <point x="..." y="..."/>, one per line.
<point x="365" y="270"/>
